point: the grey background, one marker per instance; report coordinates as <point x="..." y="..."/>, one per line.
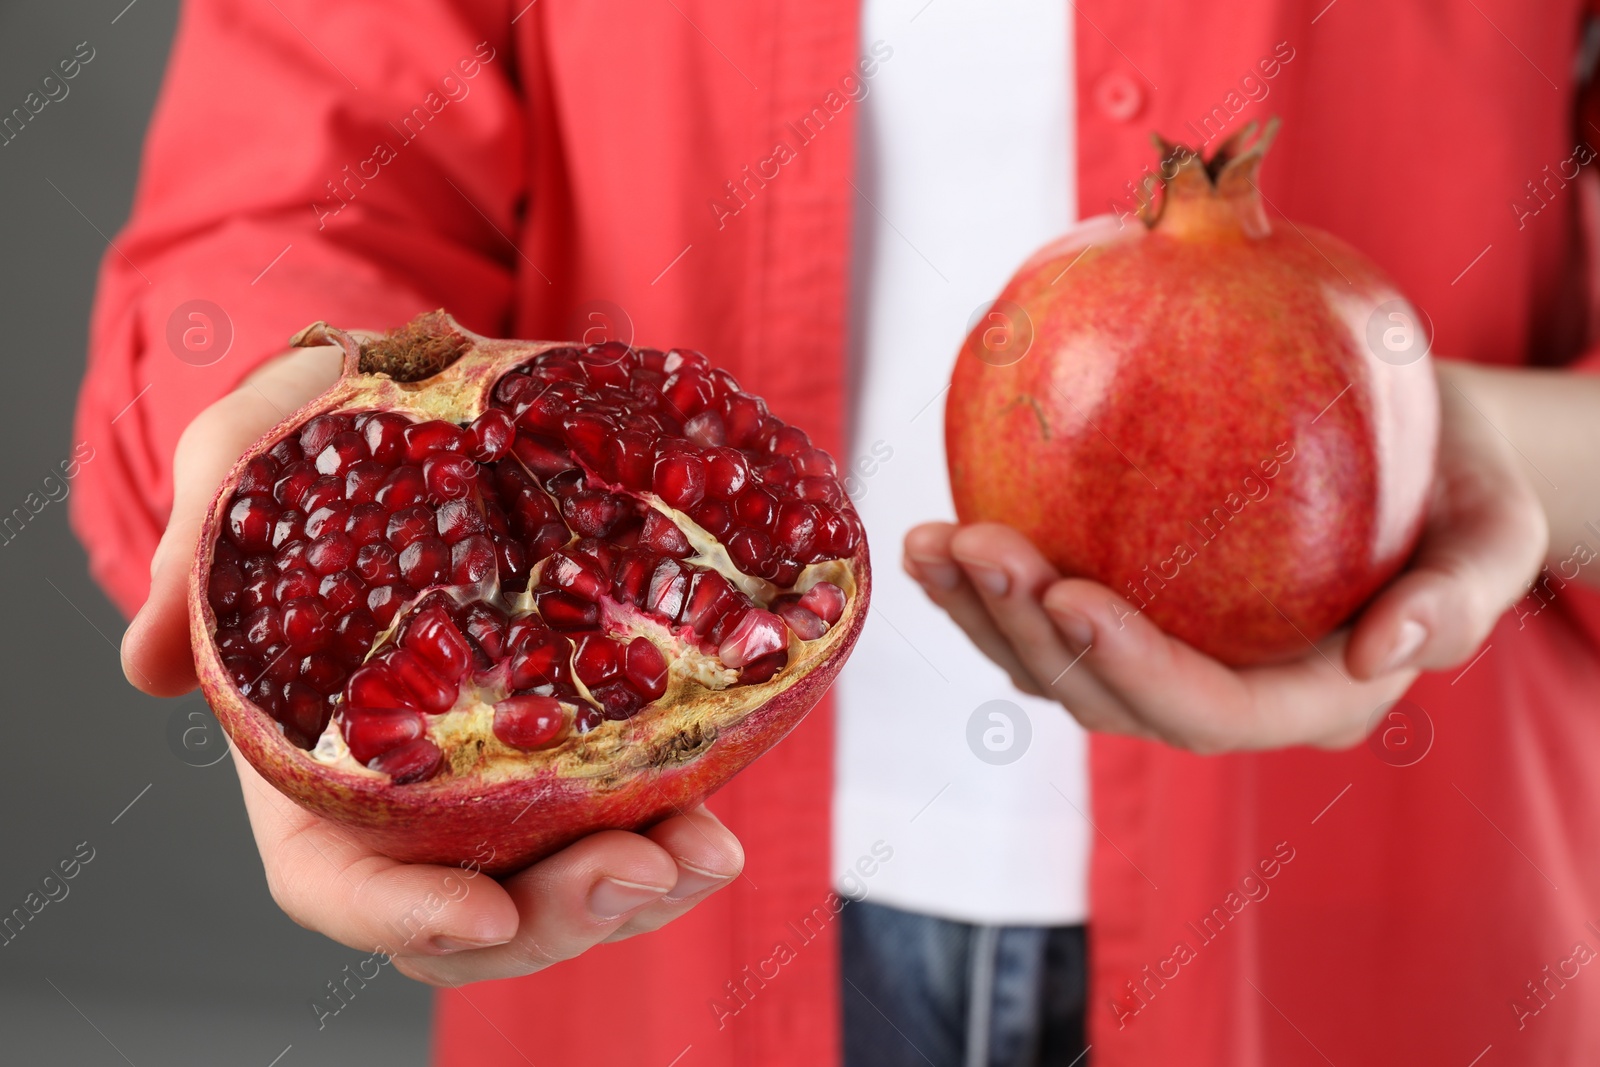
<point x="167" y="949"/>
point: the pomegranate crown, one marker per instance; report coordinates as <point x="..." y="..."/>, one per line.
<point x="1203" y="194"/>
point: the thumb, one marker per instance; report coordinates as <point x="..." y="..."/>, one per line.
<point x="156" y="657"/>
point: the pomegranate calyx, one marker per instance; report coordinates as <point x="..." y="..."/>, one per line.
<point x="1203" y="196"/>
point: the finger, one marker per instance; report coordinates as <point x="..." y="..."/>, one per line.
<point x="567" y="904"/>
<point x="929" y="563"/>
<point x="155" y="648"/>
<point x="1009" y="574"/>
<point x="326" y="880"/>
<point x="1191" y="701"/>
<point x="1484" y="542"/>
<point x="708" y="858"/>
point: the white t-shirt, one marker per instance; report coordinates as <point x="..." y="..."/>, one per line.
<point x="965" y="167"/>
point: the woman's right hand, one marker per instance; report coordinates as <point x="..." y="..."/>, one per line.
<point x="607" y="887"/>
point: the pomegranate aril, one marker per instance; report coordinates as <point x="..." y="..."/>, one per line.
<point x="661" y="535"/>
<point x="825" y="600"/>
<point x="716" y="517"/>
<point x="774" y="471"/>
<point x="423" y="439"/>
<point x="582" y="578"/>
<point x="755" y="508"/>
<point x="796" y="528"/>
<point x="618" y="700"/>
<point x="710" y="598"/>
<point x="762" y="670"/>
<point x="425" y="562"/>
<point x="304" y="713"/>
<point x="416" y="761"/>
<point x="532" y="508"/>
<point x="680" y="479"/>
<point x="686" y="392"/>
<point x="706" y="429"/>
<point x="544" y="661"/>
<point x="727" y="472"/>
<point x="541" y="455"/>
<point x="472" y="560"/>
<point x="805" y="624"/>
<point x="401" y="488"/>
<point x="563" y="612"/>
<point x="363" y="480"/>
<point x="668" y="587"/>
<point x="587" y="434"/>
<point x="325" y="491"/>
<point x="341" y="591"/>
<point x="449" y="477"/>
<point x="377" y="564"/>
<point x="409" y="525"/>
<point x="457" y="519"/>
<point x="586" y="718"/>
<point x="292" y="484"/>
<point x="384" y="434"/>
<point x="751" y="550"/>
<point x="510" y="561"/>
<point x="329" y="553"/>
<point x="243" y="670"/>
<point x="632" y="577"/>
<point x="385" y="601"/>
<point x="304" y="623"/>
<point x="341" y="453"/>
<point x="645" y="668"/>
<point x="251" y="520"/>
<point x="435" y="637"/>
<point x="591" y="513"/>
<point x="286" y="452"/>
<point x="432" y="693"/>
<point x="548" y="538"/>
<point x="819" y="490"/>
<point x="320" y="432"/>
<point x="262" y="629"/>
<point x="789" y="441"/>
<point x="742" y="415"/>
<point x="630" y="457"/>
<point x="373" y="686"/>
<point x="224" y="587"/>
<point x="486" y="626"/>
<point x="528" y="722"/>
<point x="354" y="634"/>
<point x="326" y="519"/>
<point x="258" y="476"/>
<point x="757" y="634"/>
<point x="322" y="672"/>
<point x="598" y="660"/>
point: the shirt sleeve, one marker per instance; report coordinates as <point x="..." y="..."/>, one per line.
<point x="357" y="162"/>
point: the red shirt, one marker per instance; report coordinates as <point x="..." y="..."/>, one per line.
<point x="361" y="162"/>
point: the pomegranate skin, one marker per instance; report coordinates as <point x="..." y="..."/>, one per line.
<point x="620" y="775"/>
<point x="1201" y="422"/>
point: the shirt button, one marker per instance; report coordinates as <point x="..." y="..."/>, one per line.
<point x="1118" y="97"/>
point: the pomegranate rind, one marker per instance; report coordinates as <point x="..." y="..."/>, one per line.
<point x="626" y="775"/>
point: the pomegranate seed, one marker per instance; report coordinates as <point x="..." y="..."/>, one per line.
<point x="457" y="519"/>
<point x="825" y="600"/>
<point x="729" y="620"/>
<point x="425" y="562"/>
<point x="645" y="668"/>
<point x="819" y="490"/>
<point x="319" y="432"/>
<point x="281" y="666"/>
<point x="385" y="601"/>
<point x="384" y="434"/>
<point x="548" y="538"/>
<point x="686" y="392"/>
<point x="629" y="459"/>
<point x="796" y="528"/>
<point x="293" y="483"/>
<point x="341" y="453"/>
<point x="233" y="643"/>
<point x="668" y="588"/>
<point x="806" y="625"/>
<point x="602" y="554"/>
<point x="755" y="507"/>
<point x="591" y="513"/>
<point x="262" y="629"/>
<point x="510" y="561"/>
<point x="251" y="520"/>
<point x="363" y="479"/>
<point x="291" y="526"/>
<point x="660" y="534"/>
<point x="490" y="436"/>
<point x="586" y="719"/>
<point x="761" y="670"/>
<point x="305" y="625"/>
<point x="286" y="452"/>
<point x="486" y="625"/>
<point x="434" y="636"/>
<point x="324" y="491"/>
<point x="432" y="693"/>
<point x="633" y="576"/>
<point x="224" y="587"/>
<point x="618" y="700"/>
<point x="814" y="462"/>
<point x="366" y="525"/>
<point x="533" y="508"/>
<point x="402" y="487"/>
<point x="449" y="476"/>
<point x="374" y="686"/>
<point x="784" y="572"/>
<point x="528" y="722"/>
<point x="541" y="455"/>
<point x="742" y="415"/>
<point x="580" y="578"/>
<point x="545" y="661"/>
<point x="751" y="550"/>
<point x="409" y="525"/>
<point x="563" y="612"/>
<point x="716" y="517"/>
<point x="757" y="634"/>
<point x="330" y="552"/>
<point x="789" y="441"/>
<point x="322" y="672"/>
<point x="472" y="560"/>
<point x="327" y="519"/>
<point x="727" y="472"/>
<point x="341" y="591"/>
<point x="354" y="634"/>
<point x="304" y="713"/>
<point x="415" y="761"/>
<point x="377" y="564"/>
<point x="597" y="660"/>
<point x="587" y="435"/>
<point x="258" y="476"/>
<point x="710" y="598"/>
<point x="423" y="439"/>
<point x="775" y="471"/>
<point x="684" y="358"/>
<point x="680" y="480"/>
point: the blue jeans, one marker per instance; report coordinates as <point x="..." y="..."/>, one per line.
<point x="921" y="991"/>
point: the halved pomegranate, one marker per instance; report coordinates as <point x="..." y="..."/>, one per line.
<point x="485" y="597"/>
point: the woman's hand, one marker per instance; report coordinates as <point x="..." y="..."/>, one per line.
<point x="1080" y="643"/>
<point x="606" y="887"/>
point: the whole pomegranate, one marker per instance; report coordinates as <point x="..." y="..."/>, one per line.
<point x="485" y="597"/>
<point x="1231" y="425"/>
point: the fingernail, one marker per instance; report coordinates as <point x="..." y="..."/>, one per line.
<point x="1412" y="634"/>
<point x="939" y="573"/>
<point x="1076" y="631"/>
<point x="445" y="943"/>
<point x="692" y="880"/>
<point x="991" y="580"/>
<point x="612" y="898"/>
